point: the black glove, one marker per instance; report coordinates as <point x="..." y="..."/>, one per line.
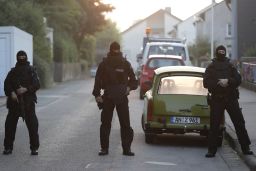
<point x="100" y="105"/>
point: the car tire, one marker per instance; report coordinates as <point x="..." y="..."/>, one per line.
<point x="141" y="95"/>
<point x="204" y="133"/>
<point x="142" y="122"/>
<point x="149" y="138"/>
<point x="220" y="140"/>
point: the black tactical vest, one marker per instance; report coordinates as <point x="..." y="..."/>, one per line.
<point x="223" y="69"/>
<point x="115" y="79"/>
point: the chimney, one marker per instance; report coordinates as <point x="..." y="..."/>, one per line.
<point x="168" y="9"/>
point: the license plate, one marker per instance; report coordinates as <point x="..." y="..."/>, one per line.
<point x="185" y="120"/>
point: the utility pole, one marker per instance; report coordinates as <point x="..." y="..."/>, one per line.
<point x="212" y="30"/>
<point x="234" y="55"/>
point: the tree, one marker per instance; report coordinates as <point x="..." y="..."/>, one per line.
<point x="77" y="21"/>
<point x="28" y="16"/>
<point x="108" y="34"/>
<point x="92" y="19"/>
<point x="200" y="50"/>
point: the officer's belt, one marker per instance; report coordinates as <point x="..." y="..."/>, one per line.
<point x="218" y="96"/>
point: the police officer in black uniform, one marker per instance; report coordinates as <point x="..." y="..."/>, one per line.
<point x="20" y="87"/>
<point x="222" y="81"/>
<point x="116" y="77"/>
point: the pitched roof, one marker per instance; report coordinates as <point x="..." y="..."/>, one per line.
<point x="159" y="11"/>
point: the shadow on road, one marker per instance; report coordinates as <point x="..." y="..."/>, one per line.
<point x="189" y="140"/>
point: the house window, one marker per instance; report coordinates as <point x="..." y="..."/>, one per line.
<point x="228" y="31"/>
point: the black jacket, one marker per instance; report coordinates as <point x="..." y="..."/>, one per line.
<point x="222" y="69"/>
<point x="114" y="70"/>
<point x="25" y="76"/>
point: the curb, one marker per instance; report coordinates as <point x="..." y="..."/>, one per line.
<point x="230" y="136"/>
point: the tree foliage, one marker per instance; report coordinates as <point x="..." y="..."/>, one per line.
<point x="77" y="19"/>
<point x="74" y="23"/>
<point x="108" y="34"/>
<point x="201" y="48"/>
<point x="28" y="17"/>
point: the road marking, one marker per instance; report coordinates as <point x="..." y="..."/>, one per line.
<point x="88" y="165"/>
<point x="161" y="163"/>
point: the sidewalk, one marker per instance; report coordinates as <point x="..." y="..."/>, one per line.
<point x="247" y="103"/>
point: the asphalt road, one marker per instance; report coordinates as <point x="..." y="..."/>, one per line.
<point x="69" y="122"/>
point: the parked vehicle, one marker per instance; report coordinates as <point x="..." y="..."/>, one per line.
<point x="177" y="103"/>
<point x="93" y="70"/>
<point x="154" y="62"/>
<point x="166" y="48"/>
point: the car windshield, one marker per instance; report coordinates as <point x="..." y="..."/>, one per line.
<point x="161" y="62"/>
<point x="182" y="85"/>
<point x="167" y="50"/>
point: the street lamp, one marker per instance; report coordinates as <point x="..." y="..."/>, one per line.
<point x="212" y="31"/>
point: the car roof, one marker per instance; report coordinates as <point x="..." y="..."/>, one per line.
<point x="168" y="69"/>
<point x="165" y="56"/>
<point x="165" y="43"/>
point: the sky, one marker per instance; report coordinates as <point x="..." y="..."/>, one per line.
<point x="127" y="12"/>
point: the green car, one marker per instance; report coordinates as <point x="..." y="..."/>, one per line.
<point x="177" y="103"/>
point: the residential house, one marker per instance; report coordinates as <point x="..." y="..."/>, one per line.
<point x="160" y="22"/>
<point x="199" y="25"/>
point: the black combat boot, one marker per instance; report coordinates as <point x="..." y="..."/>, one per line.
<point x="34" y="152"/>
<point x="210" y="154"/>
<point x="103" y="152"/>
<point x="7" y="151"/>
<point x="128" y="153"/>
<point x="246" y="150"/>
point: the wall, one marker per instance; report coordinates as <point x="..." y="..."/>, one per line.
<point x="222" y="17"/>
<point x="186" y="29"/>
<point x="169" y="23"/>
<point x="132" y="41"/>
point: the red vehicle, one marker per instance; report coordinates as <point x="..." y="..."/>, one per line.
<point x="154" y="62"/>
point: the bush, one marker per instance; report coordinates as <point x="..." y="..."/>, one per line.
<point x="44" y="71"/>
<point x="84" y="66"/>
<point x="64" y="49"/>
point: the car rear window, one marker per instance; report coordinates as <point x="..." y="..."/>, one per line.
<point x="182" y="85"/>
<point x="161" y="62"/>
<point x="167" y="50"/>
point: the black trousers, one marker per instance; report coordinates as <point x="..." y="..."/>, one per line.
<point x="124" y="120"/>
<point x="217" y="106"/>
<point x="31" y="123"/>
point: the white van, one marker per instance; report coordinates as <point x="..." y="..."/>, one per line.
<point x="166" y="48"/>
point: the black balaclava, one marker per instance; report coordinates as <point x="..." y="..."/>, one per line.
<point x="220" y="52"/>
<point x="19" y="60"/>
<point x="114" y="49"/>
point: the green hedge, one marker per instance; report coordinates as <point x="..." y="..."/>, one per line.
<point x="44" y="71"/>
<point x="64" y="49"/>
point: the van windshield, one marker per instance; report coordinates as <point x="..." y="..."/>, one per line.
<point x="161" y="62"/>
<point x="167" y="50"/>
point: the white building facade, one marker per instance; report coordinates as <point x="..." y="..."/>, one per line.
<point x="161" y="22"/>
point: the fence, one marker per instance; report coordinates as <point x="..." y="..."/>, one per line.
<point x="248" y="72"/>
